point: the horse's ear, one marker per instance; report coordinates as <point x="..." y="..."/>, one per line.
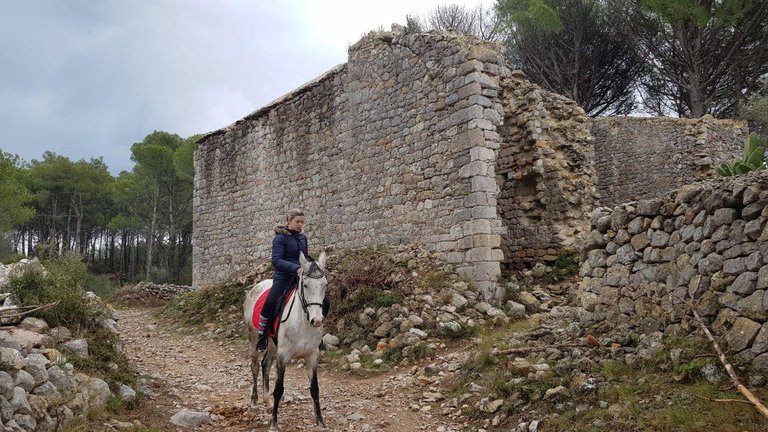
<point x="321" y="259"/>
<point x="303" y="260"/>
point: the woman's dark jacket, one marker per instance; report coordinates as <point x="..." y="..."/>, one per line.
<point x="285" y="252"/>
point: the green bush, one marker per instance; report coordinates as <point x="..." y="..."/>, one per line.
<point x="12" y="258"/>
<point x="385" y="299"/>
<point x="65" y="283"/>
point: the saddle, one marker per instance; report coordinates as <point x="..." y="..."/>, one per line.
<point x="281" y="302"/>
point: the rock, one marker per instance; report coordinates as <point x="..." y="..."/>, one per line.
<point x="24" y="340"/>
<point x="48" y="391"/>
<point x="752" y="306"/>
<point x="19" y="401"/>
<point x="190" y="419"/>
<point x="742" y="334"/>
<point x="125" y="392"/>
<point x="745" y="284"/>
<point x="418" y="332"/>
<point x="516" y="310"/>
<point x="331" y="340"/>
<point x="383" y="330"/>
<point x="98" y="392"/>
<point x="23" y="379"/>
<point x="34" y="325"/>
<point x="11" y="359"/>
<point x="482" y="307"/>
<point x="25" y="421"/>
<point x="712" y="373"/>
<point x="557" y="393"/>
<point x="77" y="347"/>
<point x="60" y="334"/>
<point x="531" y="303"/>
<point x="458" y="301"/>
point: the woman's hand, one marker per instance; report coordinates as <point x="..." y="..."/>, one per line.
<point x="300" y="271"/>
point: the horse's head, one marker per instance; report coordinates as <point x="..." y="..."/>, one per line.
<point x="314" y="288"/>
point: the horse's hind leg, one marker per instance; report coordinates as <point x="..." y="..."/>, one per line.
<point x="254" y="354"/>
<point x="278" y="392"/>
<point x="314" y="388"/>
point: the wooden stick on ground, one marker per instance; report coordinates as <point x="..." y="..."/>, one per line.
<point x="739" y="386"/>
<point x="35" y="309"/>
<point x="741" y="401"/>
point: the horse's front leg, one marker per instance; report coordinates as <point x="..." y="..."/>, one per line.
<point x="266" y="366"/>
<point x="314" y="388"/>
<point x="277" y="393"/>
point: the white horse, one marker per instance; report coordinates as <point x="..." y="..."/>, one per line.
<point x="299" y="335"/>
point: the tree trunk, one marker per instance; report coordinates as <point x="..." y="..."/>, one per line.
<point x="151" y="236"/>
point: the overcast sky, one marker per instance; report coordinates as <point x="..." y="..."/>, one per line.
<point x="86" y="78"/>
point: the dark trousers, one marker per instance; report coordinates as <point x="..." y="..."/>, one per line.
<point x="280" y="287"/>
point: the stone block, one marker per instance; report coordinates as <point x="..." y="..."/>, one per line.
<point x="742" y="334"/>
<point x="744" y="284"/>
<point x="752" y="306"/>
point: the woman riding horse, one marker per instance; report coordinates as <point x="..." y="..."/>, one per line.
<point x="287" y="245"/>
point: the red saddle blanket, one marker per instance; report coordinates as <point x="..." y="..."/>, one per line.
<point x="272" y="332"/>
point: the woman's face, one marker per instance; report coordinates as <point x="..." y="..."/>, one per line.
<point x="296" y="224"/>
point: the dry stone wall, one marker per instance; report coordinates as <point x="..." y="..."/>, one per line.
<point x="638" y="158"/>
<point x="706" y="243"/>
<point x="396" y="146"/>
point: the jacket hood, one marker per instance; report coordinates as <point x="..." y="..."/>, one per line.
<point x="283" y="229"/>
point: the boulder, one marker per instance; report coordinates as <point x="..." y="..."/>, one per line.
<point x="190" y="419"/>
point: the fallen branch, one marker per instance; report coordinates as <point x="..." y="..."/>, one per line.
<point x="741" y="401"/>
<point x="24" y="313"/>
<point x="739" y="386"/>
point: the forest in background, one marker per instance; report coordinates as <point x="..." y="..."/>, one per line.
<point x="136" y="226"/>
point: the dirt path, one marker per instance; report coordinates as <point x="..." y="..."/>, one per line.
<point x="200" y="373"/>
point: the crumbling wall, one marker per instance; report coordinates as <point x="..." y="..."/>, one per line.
<point x="545" y="173"/>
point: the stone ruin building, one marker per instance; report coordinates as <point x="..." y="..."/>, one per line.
<point x="431" y="138"/>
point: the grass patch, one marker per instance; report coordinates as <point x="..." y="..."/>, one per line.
<point x="207" y="305"/>
<point x="103" y="357"/>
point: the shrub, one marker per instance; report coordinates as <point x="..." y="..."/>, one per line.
<point x="65" y="283"/>
<point x="12" y="258"/>
<point x="753" y="159"/>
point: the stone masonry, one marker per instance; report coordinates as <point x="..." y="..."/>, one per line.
<point x="424" y="138"/>
<point x="396" y="146"/>
<point x="705" y="244"/>
<point x="638" y="158"/>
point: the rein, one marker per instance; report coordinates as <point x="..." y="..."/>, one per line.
<point x="315" y="272"/>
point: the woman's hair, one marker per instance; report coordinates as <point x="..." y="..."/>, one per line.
<point x="292" y="213"/>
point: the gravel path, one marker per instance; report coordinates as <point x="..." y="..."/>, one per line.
<point x="201" y="373"/>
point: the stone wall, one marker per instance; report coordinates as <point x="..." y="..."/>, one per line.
<point x="545" y="173"/>
<point x="705" y="244"/>
<point x="638" y="158"/>
<point x="396" y="146"/>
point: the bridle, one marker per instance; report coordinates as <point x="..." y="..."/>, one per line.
<point x="314" y="272"/>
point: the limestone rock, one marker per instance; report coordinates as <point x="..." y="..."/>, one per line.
<point x="742" y="334"/>
<point x="190" y="419"/>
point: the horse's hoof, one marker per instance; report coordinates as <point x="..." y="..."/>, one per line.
<point x="254" y="408"/>
<point x="273" y="429"/>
